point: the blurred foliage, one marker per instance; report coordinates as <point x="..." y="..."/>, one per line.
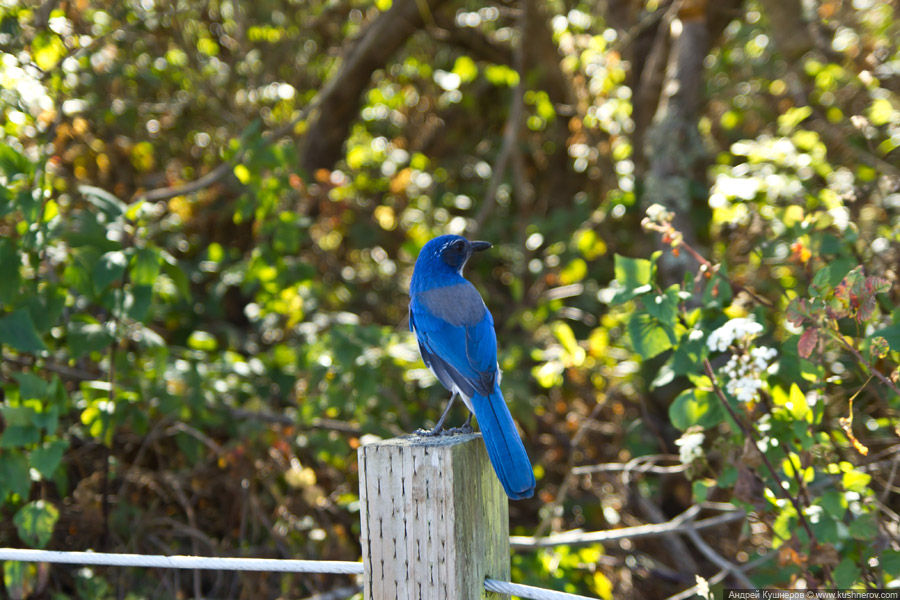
<point x="198" y="330"/>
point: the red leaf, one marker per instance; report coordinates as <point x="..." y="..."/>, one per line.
<point x="877" y="285"/>
<point x="797" y="312"/>
<point x="808" y="342"/>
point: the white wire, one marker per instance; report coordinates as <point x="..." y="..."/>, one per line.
<point x="246" y="564"/>
<point x="183" y="562"/>
<point x="529" y="591"/>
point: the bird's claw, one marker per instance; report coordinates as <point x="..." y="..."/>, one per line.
<point x="428" y="432"/>
<point x="461" y="430"/>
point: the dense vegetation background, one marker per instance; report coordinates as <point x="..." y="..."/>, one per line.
<point x="209" y="218"/>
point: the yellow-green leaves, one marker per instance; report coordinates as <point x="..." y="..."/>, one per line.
<point x="35" y="522"/>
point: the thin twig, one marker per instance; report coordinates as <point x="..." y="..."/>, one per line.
<point x="65" y="371"/>
<point x="641" y="464"/>
<point x="890" y="482"/>
<point x="719" y="561"/>
<point x="679" y="524"/>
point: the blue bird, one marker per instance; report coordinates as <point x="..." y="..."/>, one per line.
<point x="456" y="339"/>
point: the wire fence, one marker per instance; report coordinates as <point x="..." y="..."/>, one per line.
<point x="158" y="561"/>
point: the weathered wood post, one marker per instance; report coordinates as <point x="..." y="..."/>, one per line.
<point x="435" y="520"/>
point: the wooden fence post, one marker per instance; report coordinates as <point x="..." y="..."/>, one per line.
<point x="434" y="519"/>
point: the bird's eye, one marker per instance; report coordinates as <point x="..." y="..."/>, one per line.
<point x="459" y="245"/>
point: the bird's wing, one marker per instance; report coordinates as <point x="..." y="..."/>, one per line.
<point x="456" y="337"/>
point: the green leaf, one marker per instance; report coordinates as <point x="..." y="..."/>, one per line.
<point x="14" y="477"/>
<point x="17" y="330"/>
<point x="881" y="112"/>
<point x="20" y="430"/>
<point x="110" y="268"/>
<point x="145" y="266"/>
<point x="137" y="301"/>
<point x="855" y="481"/>
<point x="633" y="274"/>
<point x="792" y="117"/>
<point x="664" y="307"/>
<point x="84" y="338"/>
<point x="834" y="504"/>
<point x="17" y="577"/>
<point x="798" y="405"/>
<point x="466" y="68"/>
<point x="242" y="173"/>
<point x="47" y="50"/>
<point x="890" y="562"/>
<point x="501" y="75"/>
<point x="701" y="488"/>
<point x="201" y="340"/>
<point x="31" y="386"/>
<point x="574" y="272"/>
<point x="12" y="162"/>
<point x="821" y="282"/>
<point x="35" y="522"/>
<point x="688" y="355"/>
<point x="45" y="459"/>
<point x="696" y="407"/>
<point x="864" y="527"/>
<point x="846" y="573"/>
<point x="783" y="525"/>
<point x="171" y="268"/>
<point x="648" y="336"/>
<point x="10" y="264"/>
<point x="46" y="307"/>
<point x="110" y="205"/>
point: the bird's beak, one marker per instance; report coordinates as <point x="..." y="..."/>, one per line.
<point x="479" y="246"/>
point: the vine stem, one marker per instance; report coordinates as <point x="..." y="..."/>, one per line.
<point x="750" y="433"/>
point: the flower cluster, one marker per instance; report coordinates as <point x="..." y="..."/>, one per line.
<point x="658" y="213"/>
<point x="735" y="330"/>
<point x="745" y="368"/>
<point x="743" y="371"/>
<point x="690" y="446"/>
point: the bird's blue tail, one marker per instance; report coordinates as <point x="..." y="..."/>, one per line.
<point x="504" y="446"/>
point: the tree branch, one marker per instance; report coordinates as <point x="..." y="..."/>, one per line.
<point x="680" y="524"/>
<point x="340" y="99"/>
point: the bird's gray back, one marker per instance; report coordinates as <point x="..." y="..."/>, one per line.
<point x="459" y="304"/>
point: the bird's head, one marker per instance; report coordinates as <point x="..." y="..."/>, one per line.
<point x="450" y="250"/>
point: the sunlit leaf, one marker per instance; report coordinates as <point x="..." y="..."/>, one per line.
<point x="35" y="522"/>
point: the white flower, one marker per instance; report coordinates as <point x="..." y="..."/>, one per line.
<point x="658" y="213"/>
<point x="690" y="446"/>
<point x="744" y="388"/>
<point x="762" y="357"/>
<point x="732" y="331"/>
<point x="743" y="371"/>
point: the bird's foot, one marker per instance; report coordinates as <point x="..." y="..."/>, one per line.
<point x="430" y="432"/>
<point x="464" y="429"/>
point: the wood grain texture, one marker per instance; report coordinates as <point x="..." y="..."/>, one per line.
<point x="434" y="519"/>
